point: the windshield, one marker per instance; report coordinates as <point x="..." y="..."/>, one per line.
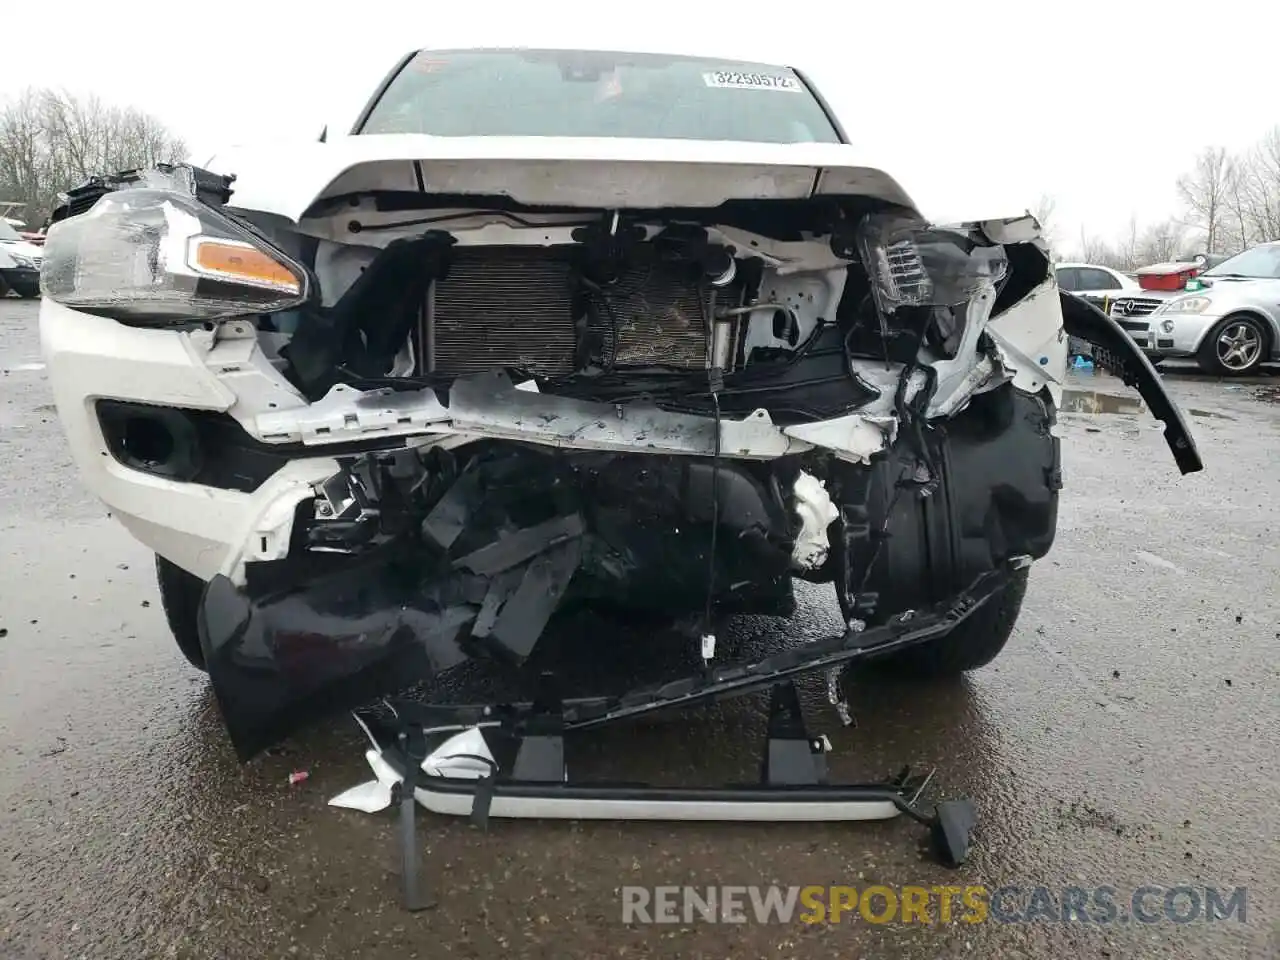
<point x="7" y="232"/>
<point x="557" y="93"/>
<point x="1262" y="262"/>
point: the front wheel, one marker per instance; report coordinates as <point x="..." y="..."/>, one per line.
<point x="1236" y="346"/>
<point x="974" y="643"/>
<point x="180" y="594"/>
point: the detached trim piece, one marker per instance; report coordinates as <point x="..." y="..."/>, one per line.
<point x="531" y="780"/>
<point x="1083" y="320"/>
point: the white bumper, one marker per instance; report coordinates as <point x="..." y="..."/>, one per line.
<point x="200" y="528"/>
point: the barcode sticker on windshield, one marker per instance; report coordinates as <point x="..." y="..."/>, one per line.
<point x="750" y="81"/>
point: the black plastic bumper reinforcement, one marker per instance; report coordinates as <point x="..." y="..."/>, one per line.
<point x="793" y="786"/>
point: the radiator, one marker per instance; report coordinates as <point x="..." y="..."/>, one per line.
<point x="512" y="307"/>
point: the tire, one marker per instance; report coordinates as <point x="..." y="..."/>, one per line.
<point x="1252" y="344"/>
<point x="974" y="643"/>
<point x="180" y="594"/>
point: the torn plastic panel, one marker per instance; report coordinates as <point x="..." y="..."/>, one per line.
<point x="1083" y="320"/>
<point x="413" y="562"/>
<point x="410" y="562"/>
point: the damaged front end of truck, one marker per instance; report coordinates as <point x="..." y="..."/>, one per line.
<point x="458" y="400"/>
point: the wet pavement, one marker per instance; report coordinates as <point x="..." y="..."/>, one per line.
<point x="1126" y="736"/>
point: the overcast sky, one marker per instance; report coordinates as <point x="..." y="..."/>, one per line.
<point x="980" y="106"/>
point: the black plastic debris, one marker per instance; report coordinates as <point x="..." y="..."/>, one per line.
<point x="410" y="564"/>
<point x="445" y="522"/>
<point x="515" y="548"/>
<point x="525" y="615"/>
<point x="951" y="831"/>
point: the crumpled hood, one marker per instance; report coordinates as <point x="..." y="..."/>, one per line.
<point x="612" y="173"/>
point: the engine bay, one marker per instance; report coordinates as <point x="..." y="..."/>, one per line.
<point x="766" y="306"/>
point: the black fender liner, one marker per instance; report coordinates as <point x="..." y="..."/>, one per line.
<point x="999" y="474"/>
<point x="1083" y="320"/>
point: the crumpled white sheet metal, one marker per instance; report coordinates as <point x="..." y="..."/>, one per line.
<point x="465" y="755"/>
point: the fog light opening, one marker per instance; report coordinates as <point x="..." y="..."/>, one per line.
<point x="153" y="440"/>
<point x="148" y="441"/>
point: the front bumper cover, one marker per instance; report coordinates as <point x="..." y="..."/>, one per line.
<point x="270" y="684"/>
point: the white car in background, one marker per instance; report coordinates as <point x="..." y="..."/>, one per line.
<point x="1094" y="282"/>
<point x="19" y="263"/>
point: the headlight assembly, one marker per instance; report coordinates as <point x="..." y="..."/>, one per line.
<point x="160" y="256"/>
<point x="911" y="263"/>
<point x="1186" y="305"/>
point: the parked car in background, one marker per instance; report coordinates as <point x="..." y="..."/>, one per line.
<point x="1157" y="283"/>
<point x="1227" y="318"/>
<point x="19" y="263"/>
<point x="1095" y="283"/>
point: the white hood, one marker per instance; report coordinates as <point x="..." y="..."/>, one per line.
<point x="613" y="173"/>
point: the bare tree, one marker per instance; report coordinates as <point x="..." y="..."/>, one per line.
<point x="1094" y="249"/>
<point x="1236" y="232"/>
<point x="1162" y="242"/>
<point x="1258" y="185"/>
<point x="1043" y="211"/>
<point x="51" y="140"/>
<point x="1204" y="193"/>
<point x="1128" y="248"/>
<point x="23" y="156"/>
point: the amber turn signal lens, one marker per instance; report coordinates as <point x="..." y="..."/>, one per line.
<point x="236" y="261"/>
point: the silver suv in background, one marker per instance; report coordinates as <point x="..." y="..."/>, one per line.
<point x="1227" y="319"/>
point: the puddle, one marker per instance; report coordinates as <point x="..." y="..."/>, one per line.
<point x="1091" y="401"/>
<point x="1267" y="394"/>
<point x="1210" y="414"/>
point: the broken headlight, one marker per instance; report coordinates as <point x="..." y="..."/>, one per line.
<point x="159" y="256"/>
<point x="913" y="264"/>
